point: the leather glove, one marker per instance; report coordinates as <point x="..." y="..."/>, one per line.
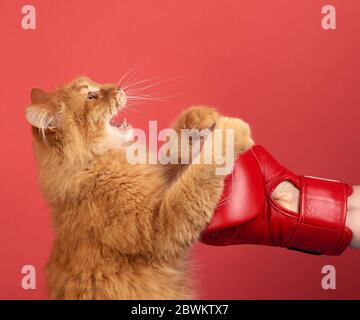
<point x="247" y="214"/>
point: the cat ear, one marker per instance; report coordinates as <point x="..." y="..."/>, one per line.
<point x="38" y="96"/>
<point x="38" y="116"/>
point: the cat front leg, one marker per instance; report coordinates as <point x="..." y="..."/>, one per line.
<point x="191" y="200"/>
<point x="197" y="118"/>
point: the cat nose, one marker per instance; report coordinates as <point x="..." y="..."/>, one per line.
<point x="121" y="97"/>
<point x="119" y="90"/>
<point x="115" y="90"/>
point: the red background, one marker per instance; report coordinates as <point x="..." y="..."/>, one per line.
<point x="269" y="62"/>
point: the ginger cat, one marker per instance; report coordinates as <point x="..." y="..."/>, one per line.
<point x="122" y="231"/>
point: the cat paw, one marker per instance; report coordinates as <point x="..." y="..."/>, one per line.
<point x="198" y="118"/>
<point x="242" y="133"/>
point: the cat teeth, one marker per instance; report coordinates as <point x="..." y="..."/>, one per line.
<point x="124" y="125"/>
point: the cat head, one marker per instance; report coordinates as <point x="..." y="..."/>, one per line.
<point x="77" y="118"/>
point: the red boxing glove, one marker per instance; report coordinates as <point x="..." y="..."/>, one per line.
<point x="247" y="214"/>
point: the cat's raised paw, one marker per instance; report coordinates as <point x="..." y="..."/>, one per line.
<point x="242" y="133"/>
<point x="197" y="118"/>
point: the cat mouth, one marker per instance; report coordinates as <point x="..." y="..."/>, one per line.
<point x="116" y="120"/>
<point x="121" y="124"/>
<point x="120" y="102"/>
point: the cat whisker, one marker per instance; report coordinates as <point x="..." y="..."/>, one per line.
<point x="132" y="108"/>
<point x="126" y="74"/>
<point x="139" y="91"/>
<point x="151" y="85"/>
<point x="152" y="97"/>
<point x="147" y="97"/>
<point x="159" y="78"/>
<point x="130" y="74"/>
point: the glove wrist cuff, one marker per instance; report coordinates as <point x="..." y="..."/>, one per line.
<point x="322" y="216"/>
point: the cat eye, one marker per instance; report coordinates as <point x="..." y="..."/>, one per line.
<point x="92" y="95"/>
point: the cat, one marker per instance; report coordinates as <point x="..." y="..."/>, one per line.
<point x="122" y="231"/>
